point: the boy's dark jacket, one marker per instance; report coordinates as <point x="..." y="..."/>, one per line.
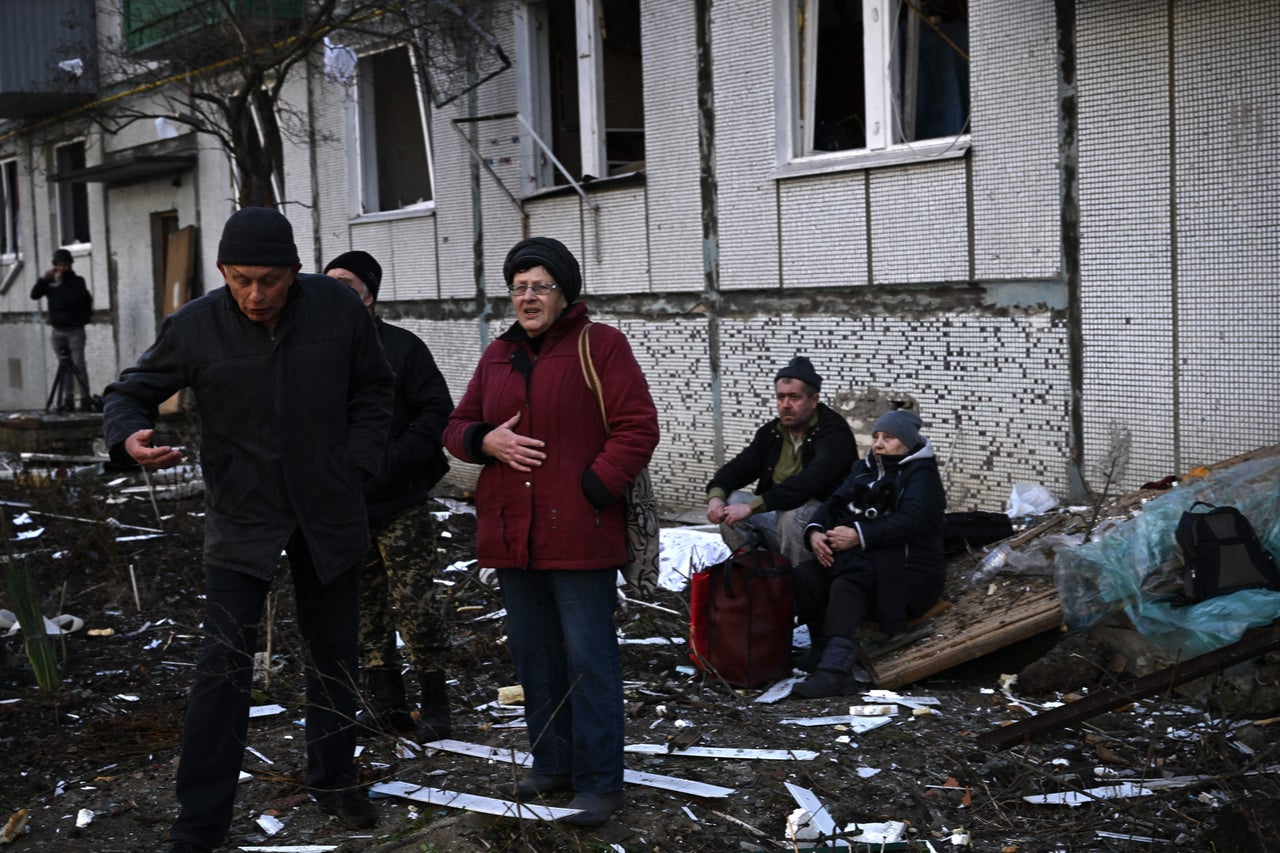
<point x="414" y="460"/>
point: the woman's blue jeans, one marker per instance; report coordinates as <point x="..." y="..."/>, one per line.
<point x="565" y="648"/>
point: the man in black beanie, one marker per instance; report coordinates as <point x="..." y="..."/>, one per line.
<point x="796" y="461"/>
<point x="293" y="393"/>
<point x="398" y="588"/>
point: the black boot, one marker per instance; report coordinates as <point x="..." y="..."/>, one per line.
<point x="835" y="672"/>
<point x="433" y="722"/>
<point x="386" y="709"/>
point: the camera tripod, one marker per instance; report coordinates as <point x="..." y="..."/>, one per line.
<point x="64" y="379"/>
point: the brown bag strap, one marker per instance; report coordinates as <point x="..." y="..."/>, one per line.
<point x="590" y="375"/>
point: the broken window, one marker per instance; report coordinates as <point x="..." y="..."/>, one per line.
<point x="9" y="208"/>
<point x="873" y="74"/>
<point x="73" y="196"/>
<point x="584" y="89"/>
<point x="394" y="157"/>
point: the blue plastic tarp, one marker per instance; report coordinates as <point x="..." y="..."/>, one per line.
<point x="1111" y="575"/>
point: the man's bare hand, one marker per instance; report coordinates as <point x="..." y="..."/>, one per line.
<point x="510" y="448"/>
<point x="715" y="510"/>
<point x="734" y="513"/>
<point x="139" y="447"/>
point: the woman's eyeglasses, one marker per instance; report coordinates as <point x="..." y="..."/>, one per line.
<point x="542" y="288"/>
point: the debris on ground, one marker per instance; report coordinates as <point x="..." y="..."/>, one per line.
<point x="91" y="765"/>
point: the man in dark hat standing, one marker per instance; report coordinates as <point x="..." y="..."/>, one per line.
<point x="294" y="399"/>
<point x="70" y="310"/>
<point x="796" y="461"/>
<point x="398" y="588"/>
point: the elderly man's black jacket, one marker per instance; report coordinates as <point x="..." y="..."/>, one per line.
<point x="289" y="420"/>
<point x="828" y="453"/>
<point x="414" y="460"/>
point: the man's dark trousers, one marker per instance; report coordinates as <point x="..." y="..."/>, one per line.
<point x="217" y="721"/>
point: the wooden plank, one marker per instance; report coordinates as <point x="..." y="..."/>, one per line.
<point x="1254" y="643"/>
<point x="955" y="641"/>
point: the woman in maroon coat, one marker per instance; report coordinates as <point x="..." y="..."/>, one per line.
<point x="550" y="509"/>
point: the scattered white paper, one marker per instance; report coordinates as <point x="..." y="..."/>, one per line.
<point x="269" y="824"/>
<point x="1079" y="798"/>
<point x="819" y="817"/>
<point x="470" y="802"/>
<point x="651" y="641"/>
<point x="265" y="710"/>
<point x="723" y="752"/>
<point x="260" y="756"/>
<point x="781" y="690"/>
<point x="858" y="725"/>
<point x="1120" y="836"/>
<point x="878" y="833"/>
<point x="633" y="777"/>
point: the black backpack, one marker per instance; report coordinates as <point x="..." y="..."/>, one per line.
<point x="1222" y="554"/>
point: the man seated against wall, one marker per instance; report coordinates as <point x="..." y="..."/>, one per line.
<point x="796" y="461"/>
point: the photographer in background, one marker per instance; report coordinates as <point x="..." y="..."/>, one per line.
<point x="70" y="309"/>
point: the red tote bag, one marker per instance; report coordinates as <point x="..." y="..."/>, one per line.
<point x="740" y="619"/>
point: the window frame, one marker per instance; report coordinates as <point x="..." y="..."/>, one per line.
<point x="66" y="200"/>
<point x="796" y="99"/>
<point x="362" y="154"/>
<point x="10" y="212"/>
<point x="534" y="96"/>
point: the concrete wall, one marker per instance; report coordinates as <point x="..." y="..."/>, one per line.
<point x="1102" y="256"/>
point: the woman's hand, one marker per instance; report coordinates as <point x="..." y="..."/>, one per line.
<point x="510" y="448"/>
<point x="820" y="545"/>
<point x="842" y="538"/>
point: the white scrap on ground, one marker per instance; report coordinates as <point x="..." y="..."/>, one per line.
<point x="888" y="832"/>
<point x="651" y="641"/>
<point x="781" y="690"/>
<point x="1079" y="798"/>
<point x="723" y="752"/>
<point x="269" y="824"/>
<point x="633" y="777"/>
<point x="858" y="725"/>
<point x="812" y="816"/>
<point x="469" y="802"/>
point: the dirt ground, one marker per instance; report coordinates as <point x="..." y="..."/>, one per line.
<point x="93" y="763"/>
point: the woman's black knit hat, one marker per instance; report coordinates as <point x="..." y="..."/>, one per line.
<point x="550" y="253"/>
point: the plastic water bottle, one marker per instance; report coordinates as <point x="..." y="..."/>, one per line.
<point x="990" y="566"/>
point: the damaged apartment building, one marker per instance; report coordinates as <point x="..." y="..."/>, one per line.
<point x="1051" y="225"/>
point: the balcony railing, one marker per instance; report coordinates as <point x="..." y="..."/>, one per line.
<point x="164" y="28"/>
